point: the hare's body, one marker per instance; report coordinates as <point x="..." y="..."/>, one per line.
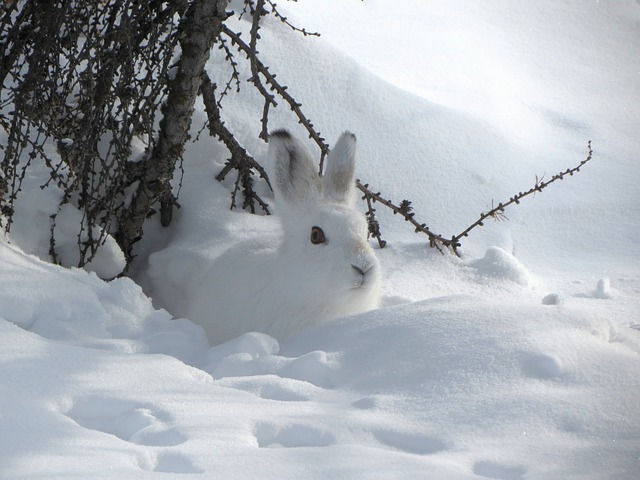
<point x="321" y="268"/>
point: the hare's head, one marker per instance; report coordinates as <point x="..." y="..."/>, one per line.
<point x="325" y="239"/>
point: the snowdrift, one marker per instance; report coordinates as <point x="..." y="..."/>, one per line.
<point x="461" y="386"/>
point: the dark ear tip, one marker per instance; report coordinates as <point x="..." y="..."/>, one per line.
<point x="281" y="133"/>
<point x="350" y="134"/>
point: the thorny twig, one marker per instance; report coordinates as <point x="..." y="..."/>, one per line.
<point x="240" y="158"/>
<point x="282" y="92"/>
<point x="372" y="221"/>
<point x="269" y="99"/>
<point x="235" y="74"/>
<point x="498" y="211"/>
<point x="284" y="20"/>
<point x="404" y="210"/>
<point x="453" y="243"/>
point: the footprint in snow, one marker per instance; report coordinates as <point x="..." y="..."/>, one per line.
<point x="498" y="471"/>
<point x="292" y="436"/>
<point x="415" y="443"/>
<point x="272" y="387"/>
<point x="315" y="367"/>
<point x="128" y="420"/>
<point x="163" y="461"/>
<point x="173" y="462"/>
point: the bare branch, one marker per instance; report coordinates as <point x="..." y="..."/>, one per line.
<point x="269" y="99"/>
<point x="282" y="92"/>
<point x="240" y="159"/>
<point x="284" y="20"/>
<point x="404" y="210"/>
<point x="498" y="211"/>
<point x="372" y="221"/>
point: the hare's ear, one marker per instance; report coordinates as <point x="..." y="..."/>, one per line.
<point x="294" y="173"/>
<point x="339" y="177"/>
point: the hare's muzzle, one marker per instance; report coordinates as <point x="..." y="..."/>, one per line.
<point x="361" y="274"/>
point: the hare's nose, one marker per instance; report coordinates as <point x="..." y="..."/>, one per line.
<point x="359" y="276"/>
<point x="359" y="270"/>
<point x="362" y="272"/>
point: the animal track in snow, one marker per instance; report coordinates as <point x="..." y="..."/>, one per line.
<point x="292" y="436"/>
<point x="415" y="443"/>
<point x="127" y="420"/>
<point x="365" y="403"/>
<point x="271" y="387"/>
<point x="498" y="471"/>
<point x="174" y="462"/>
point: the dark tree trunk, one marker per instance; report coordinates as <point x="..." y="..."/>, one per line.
<point x="199" y="28"/>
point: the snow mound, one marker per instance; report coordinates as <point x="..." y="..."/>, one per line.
<point x="32" y="228"/>
<point x="77" y="307"/>
<point x="512" y="370"/>
<point x="603" y="289"/>
<point x="501" y="265"/>
<point x="108" y="261"/>
<point x="452" y="387"/>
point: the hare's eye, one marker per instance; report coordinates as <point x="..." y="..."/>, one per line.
<point x="317" y="236"/>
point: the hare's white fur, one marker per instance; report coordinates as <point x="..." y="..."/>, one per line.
<point x="283" y="287"/>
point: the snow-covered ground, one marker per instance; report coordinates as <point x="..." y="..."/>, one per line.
<point x="518" y="360"/>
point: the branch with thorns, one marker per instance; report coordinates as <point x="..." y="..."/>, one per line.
<point x="240" y="159"/>
<point x="281" y="90"/>
<point x="234" y="80"/>
<point x="404" y="210"/>
<point x="496" y="212"/>
<point x="265" y="83"/>
<point x="284" y="20"/>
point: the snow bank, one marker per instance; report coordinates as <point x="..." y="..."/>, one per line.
<point x="76" y="307"/>
<point x="455" y="387"/>
<point x="32" y="227"/>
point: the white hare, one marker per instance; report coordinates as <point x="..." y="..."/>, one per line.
<point x="321" y="268"/>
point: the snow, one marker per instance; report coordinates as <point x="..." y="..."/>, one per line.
<point x="518" y="360"/>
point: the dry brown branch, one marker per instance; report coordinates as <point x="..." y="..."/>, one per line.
<point x="372" y="221"/>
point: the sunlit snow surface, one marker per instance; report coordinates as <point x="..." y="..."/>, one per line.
<point x="519" y="360"/>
